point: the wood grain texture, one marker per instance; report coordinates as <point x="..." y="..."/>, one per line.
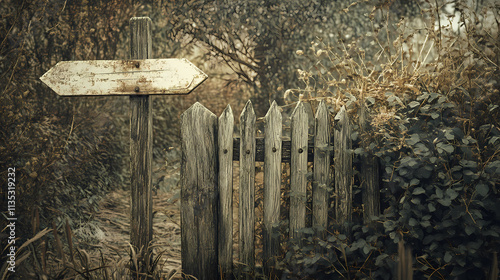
<point x="141" y="149"/>
<point x="272" y="187"/>
<point x="298" y="169"/>
<point x="343" y="171"/>
<point x="321" y="173"/>
<point x="405" y="262"/>
<point x="247" y="188"/>
<point x="369" y="173"/>
<point x="199" y="193"/>
<point x="225" y="240"/>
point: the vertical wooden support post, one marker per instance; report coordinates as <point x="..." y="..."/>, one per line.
<point x="199" y="193"/>
<point x="321" y="176"/>
<point x="405" y="262"/>
<point x="369" y="173"/>
<point x="493" y="273"/>
<point x="272" y="188"/>
<point x="225" y="142"/>
<point x="298" y="166"/>
<point x="343" y="170"/>
<point x="141" y="151"/>
<point x="247" y="189"/>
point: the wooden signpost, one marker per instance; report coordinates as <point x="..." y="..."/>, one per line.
<point x="123" y="77"/>
<point x="139" y="77"/>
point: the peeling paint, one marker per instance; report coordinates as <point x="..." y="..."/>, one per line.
<point x="122" y="77"/>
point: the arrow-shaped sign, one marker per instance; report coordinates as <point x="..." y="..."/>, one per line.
<point x="123" y="77"/>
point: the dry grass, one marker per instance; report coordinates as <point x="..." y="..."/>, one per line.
<point x="402" y="60"/>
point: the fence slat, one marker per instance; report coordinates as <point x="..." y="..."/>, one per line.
<point x="225" y="142"/>
<point x="272" y="187"/>
<point x="321" y="175"/>
<point x="247" y="187"/>
<point x="298" y="166"/>
<point x="343" y="170"/>
<point x="369" y="174"/>
<point x="199" y="206"/>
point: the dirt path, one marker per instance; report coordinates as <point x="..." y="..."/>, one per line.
<point x="113" y="219"/>
<point x="111" y="223"/>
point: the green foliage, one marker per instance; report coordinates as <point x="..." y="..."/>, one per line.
<point x="433" y="114"/>
<point x="442" y="190"/>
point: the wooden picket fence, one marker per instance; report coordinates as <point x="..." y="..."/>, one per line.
<point x="208" y="152"/>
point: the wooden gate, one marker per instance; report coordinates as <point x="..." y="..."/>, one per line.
<point x="208" y="152"/>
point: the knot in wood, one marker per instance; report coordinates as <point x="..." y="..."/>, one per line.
<point x="136" y="89"/>
<point x="301" y="151"/>
<point x="137" y="64"/>
<point x="225" y="151"/>
<point x="248" y="152"/>
<point x="274" y="150"/>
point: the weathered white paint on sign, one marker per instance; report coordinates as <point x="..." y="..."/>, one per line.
<point x="123" y="77"/>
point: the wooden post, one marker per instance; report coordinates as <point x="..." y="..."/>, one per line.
<point x="272" y="188"/>
<point x="138" y="77"/>
<point x="321" y="177"/>
<point x="225" y="132"/>
<point x="246" y="246"/>
<point x="369" y="173"/>
<point x="298" y="166"/>
<point x="405" y="262"/>
<point x="199" y="193"/>
<point x="343" y="171"/>
<point x="141" y="152"/>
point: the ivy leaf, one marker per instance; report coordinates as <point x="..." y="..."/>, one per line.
<point x="469" y="230"/>
<point x="412" y="222"/>
<point x="451" y="193"/>
<point x="493" y="167"/>
<point x="433" y="95"/>
<point x="439" y="193"/>
<point x="421" y="149"/>
<point x="493" y="140"/>
<point x="379" y="259"/>
<point x="392" y="235"/>
<point x="366" y="249"/>
<point x="447" y="257"/>
<point x="414" y="139"/>
<point x="445" y="147"/>
<point x="414" y="104"/>
<point x="468" y="163"/>
<point x="389" y="225"/>
<point x="359" y="151"/>
<point x="449" y="135"/>
<point x="424" y="172"/>
<point x="418" y="190"/>
<point x="425" y="223"/>
<point x="431" y="207"/>
<point x="445" y="202"/>
<point x="416" y="201"/>
<point x="482" y="189"/>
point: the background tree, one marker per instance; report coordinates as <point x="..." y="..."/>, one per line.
<point x="258" y="39"/>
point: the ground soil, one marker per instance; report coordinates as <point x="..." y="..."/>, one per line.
<point x="114" y="220"/>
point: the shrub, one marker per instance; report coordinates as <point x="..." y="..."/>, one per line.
<point x="434" y="111"/>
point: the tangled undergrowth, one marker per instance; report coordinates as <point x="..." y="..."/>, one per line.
<point x="430" y="86"/>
